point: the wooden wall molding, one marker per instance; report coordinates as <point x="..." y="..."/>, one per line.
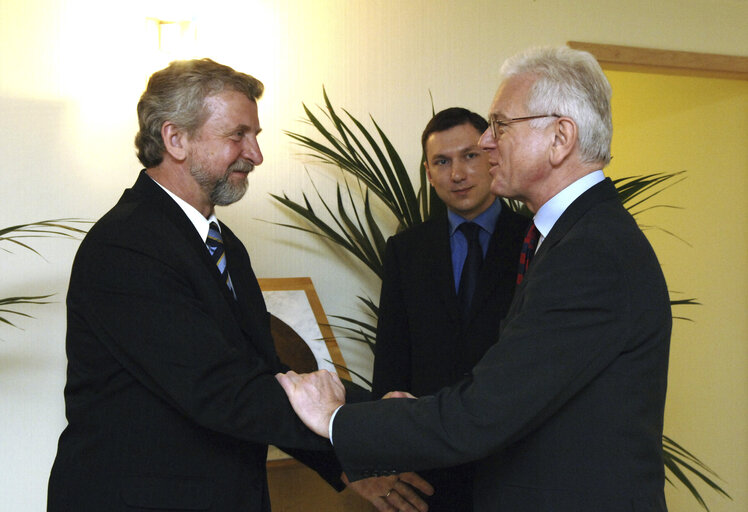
<point x="649" y="59"/>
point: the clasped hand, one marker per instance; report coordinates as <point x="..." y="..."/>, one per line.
<point x="393" y="493"/>
<point x="314" y="397"/>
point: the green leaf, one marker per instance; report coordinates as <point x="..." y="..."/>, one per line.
<point x="351" y="371"/>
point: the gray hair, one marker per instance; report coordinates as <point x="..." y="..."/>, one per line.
<point x="572" y="84"/>
<point x="177" y="94"/>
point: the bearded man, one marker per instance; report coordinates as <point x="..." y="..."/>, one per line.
<point x="170" y="397"/>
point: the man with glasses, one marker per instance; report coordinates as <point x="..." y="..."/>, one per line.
<point x="565" y="412"/>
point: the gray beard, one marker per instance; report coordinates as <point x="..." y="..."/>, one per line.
<point x="221" y="192"/>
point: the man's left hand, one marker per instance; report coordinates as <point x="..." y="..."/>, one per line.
<point x="393" y="493"/>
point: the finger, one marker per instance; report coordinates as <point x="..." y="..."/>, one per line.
<point x="285" y="382"/>
<point x="398" y="394"/>
<point x="415" y="480"/>
<point x="405" y="499"/>
<point x="383" y="506"/>
<point x="336" y="378"/>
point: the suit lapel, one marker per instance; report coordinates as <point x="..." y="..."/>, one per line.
<point x="438" y="257"/>
<point x="603" y="191"/>
<point x="153" y="193"/>
<point x="501" y="258"/>
<point x="249" y="308"/>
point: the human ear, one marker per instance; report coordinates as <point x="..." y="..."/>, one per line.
<point x="428" y="173"/>
<point x="174" y="141"/>
<point x="564" y="139"/>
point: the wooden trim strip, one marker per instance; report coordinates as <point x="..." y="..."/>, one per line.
<point x="729" y="66"/>
<point x="305" y="283"/>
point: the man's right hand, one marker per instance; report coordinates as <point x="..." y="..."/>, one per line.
<point x="314" y="397"/>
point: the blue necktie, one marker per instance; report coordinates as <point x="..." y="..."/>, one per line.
<point x="471" y="268"/>
<point x="215" y="246"/>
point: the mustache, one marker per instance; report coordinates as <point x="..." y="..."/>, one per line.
<point x="241" y="165"/>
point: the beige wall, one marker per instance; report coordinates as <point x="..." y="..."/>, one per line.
<point x="70" y="75"/>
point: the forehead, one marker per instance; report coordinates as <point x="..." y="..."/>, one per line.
<point x="231" y="108"/>
<point x="457" y="138"/>
<point x="510" y="99"/>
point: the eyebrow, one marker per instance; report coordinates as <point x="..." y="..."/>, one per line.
<point x="462" y="151"/>
<point x="497" y="115"/>
<point x="244" y="128"/>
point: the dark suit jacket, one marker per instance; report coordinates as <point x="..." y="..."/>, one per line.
<point x="423" y="344"/>
<point x="565" y="411"/>
<point x="170" y="397"/>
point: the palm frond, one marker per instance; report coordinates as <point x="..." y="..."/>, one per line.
<point x="16" y="301"/>
<point x="17" y="237"/>
<point x="632" y="188"/>
<point x="353" y="242"/>
<point x="678" y="460"/>
<point x="64" y="228"/>
<point x="343" y="367"/>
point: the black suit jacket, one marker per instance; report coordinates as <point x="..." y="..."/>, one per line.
<point x="170" y="396"/>
<point x="423" y="343"/>
<point x="565" y="411"/>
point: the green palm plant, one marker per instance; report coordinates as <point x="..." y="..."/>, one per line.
<point x="376" y="168"/>
<point x="16" y="236"/>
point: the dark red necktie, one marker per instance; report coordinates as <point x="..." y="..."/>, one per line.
<point x="528" y="249"/>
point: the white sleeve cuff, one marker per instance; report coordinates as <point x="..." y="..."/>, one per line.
<point x="329" y="427"/>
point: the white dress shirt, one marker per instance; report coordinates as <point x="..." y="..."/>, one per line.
<point x="550" y="212"/>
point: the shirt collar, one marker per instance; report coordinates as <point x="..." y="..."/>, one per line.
<point x="549" y="213"/>
<point x="486" y="220"/>
<point x="202" y="225"/>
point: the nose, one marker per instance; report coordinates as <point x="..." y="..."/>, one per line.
<point x="458" y="171"/>
<point x="486" y="141"/>
<point x="252" y="151"/>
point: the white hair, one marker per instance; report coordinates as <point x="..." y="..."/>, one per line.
<point x="572" y="84"/>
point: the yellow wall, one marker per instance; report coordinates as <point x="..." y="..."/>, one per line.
<point x="667" y="123"/>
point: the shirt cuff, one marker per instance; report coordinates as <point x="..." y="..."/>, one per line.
<point x="329" y="426"/>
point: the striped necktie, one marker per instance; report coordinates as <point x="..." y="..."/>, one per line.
<point x="217" y="252"/>
<point x="528" y="249"/>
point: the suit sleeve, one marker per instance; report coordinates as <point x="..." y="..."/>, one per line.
<point x="572" y="325"/>
<point x="392" y="361"/>
<point x="161" y="317"/>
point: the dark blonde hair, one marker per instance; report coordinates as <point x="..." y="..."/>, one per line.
<point x="177" y="94"/>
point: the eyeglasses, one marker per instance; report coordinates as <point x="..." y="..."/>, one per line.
<point x="497" y="126"/>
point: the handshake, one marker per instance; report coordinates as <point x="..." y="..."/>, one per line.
<point x="316" y="397"/>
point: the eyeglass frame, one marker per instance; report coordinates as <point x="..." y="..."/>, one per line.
<point x="493" y="122"/>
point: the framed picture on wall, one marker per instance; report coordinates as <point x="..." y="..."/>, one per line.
<point x="303" y="338"/>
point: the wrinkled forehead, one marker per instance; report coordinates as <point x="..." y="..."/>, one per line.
<point x="510" y="99"/>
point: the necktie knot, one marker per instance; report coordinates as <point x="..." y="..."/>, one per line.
<point x="470" y="230"/>
<point x="215" y="240"/>
<point x="214" y="243"/>
<point x="528" y="250"/>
